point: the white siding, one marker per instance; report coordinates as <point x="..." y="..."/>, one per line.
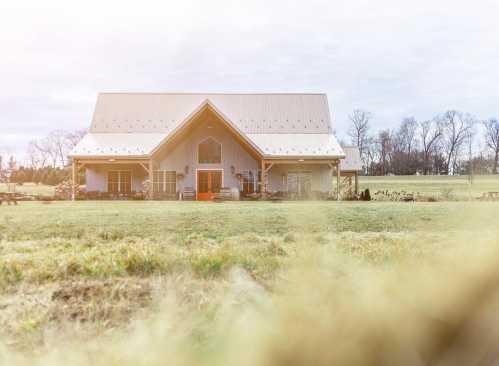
<point x="185" y="154"/>
<point x="96" y="176"/>
<point x="321" y="176"/>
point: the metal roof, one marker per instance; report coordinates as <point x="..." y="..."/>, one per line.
<point x="286" y="145"/>
<point x="251" y="113"/>
<point x="280" y="125"/>
<point x="117" y="144"/>
<point x="352" y="161"/>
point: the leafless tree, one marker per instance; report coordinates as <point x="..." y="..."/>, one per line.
<point x="456" y="129"/>
<point x="404" y="146"/>
<point x="384" y="150"/>
<point x="72" y="138"/>
<point x="54" y="148"/>
<point x="37" y="156"/>
<point x="2" y="172"/>
<point x="491" y="134"/>
<point x="359" y="130"/>
<point x="430" y="135"/>
<point x="406" y="134"/>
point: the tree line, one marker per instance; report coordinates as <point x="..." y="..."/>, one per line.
<point x="451" y="143"/>
<point x="46" y="159"/>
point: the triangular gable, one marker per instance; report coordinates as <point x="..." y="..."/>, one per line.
<point x="223" y="118"/>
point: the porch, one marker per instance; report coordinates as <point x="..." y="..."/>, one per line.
<point x="144" y="179"/>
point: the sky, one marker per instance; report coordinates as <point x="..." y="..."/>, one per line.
<point x="394" y="58"/>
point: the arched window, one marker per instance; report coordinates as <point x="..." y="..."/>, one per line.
<point x="209" y="152"/>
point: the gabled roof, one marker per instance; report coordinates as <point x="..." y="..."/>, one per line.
<point x="352" y="161"/>
<point x="251" y="113"/>
<point x="274" y="125"/>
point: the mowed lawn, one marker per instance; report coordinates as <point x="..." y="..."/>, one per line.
<point x="30" y="188"/>
<point x="64" y="264"/>
<point x="435" y="186"/>
<point x="439" y="187"/>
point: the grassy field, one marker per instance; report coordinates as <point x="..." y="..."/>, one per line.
<point x="440" y="187"/>
<point x="200" y="282"/>
<point x="31" y="189"/>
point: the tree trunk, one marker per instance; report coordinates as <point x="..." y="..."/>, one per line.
<point x="496" y="162"/>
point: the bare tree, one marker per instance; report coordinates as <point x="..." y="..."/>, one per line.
<point x="58" y="145"/>
<point x="430" y="134"/>
<point x="383" y="152"/>
<point x="54" y="148"/>
<point x="2" y="171"/>
<point x="404" y="144"/>
<point x="491" y="134"/>
<point x="37" y="156"/>
<point x="359" y="130"/>
<point x="407" y="134"/>
<point x="456" y="129"/>
<point x="72" y="138"/>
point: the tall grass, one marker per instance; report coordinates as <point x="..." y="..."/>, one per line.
<point x="307" y="296"/>
<point x="326" y="309"/>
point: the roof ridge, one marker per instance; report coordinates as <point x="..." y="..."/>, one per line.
<point x="216" y="93"/>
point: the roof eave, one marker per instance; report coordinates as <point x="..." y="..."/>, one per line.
<point x="107" y="157"/>
<point x="303" y="157"/>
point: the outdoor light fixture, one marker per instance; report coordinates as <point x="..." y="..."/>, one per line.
<point x="186" y="169"/>
<point x="232" y="169"/>
<point x="301" y="160"/>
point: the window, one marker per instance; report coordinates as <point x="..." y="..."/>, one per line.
<point x="209" y="152"/>
<point x="164" y="182"/>
<point x="300" y="182"/>
<point x="119" y="181"/>
<point x="248" y="182"/>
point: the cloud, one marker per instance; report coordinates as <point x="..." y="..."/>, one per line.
<point x="394" y="58"/>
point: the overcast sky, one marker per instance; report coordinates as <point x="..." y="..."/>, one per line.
<point x="394" y="58"/>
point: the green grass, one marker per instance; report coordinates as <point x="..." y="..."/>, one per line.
<point x="435" y="186"/>
<point x="31" y="189"/>
<point x="183" y="221"/>
<point x="439" y="187"/>
<point x="91" y="267"/>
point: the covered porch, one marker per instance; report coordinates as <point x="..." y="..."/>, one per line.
<point x="301" y="178"/>
<point x="115" y="178"/>
<point x="111" y="178"/>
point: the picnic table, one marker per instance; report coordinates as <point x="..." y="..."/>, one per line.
<point x="8" y="197"/>
<point x="490" y="196"/>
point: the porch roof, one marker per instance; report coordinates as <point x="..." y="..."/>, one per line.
<point x="272" y="145"/>
<point x="298" y="145"/>
<point x="117" y="144"/>
<point x="352" y="161"/>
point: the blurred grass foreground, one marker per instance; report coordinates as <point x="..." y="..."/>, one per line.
<point x="255" y="283"/>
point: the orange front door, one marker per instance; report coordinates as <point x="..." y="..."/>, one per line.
<point x="209" y="183"/>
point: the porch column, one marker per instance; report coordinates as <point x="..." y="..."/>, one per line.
<point x="74" y="179"/>
<point x="263" y="186"/>
<point x="338" y="180"/>
<point x="151" y="178"/>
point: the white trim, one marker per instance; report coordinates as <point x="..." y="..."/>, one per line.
<point x="164" y="171"/>
<point x="195" y="113"/>
<point x="119" y="179"/>
<point x="208" y="169"/>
